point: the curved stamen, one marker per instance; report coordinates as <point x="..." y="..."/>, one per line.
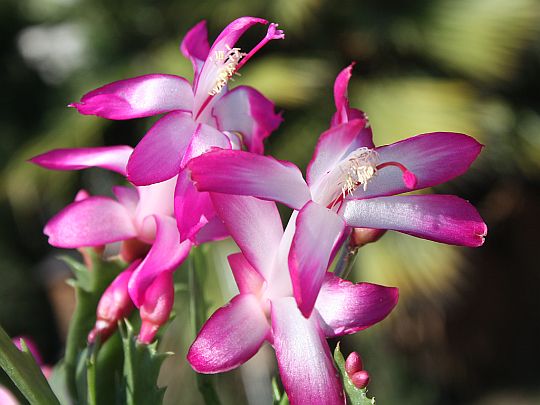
<point x="272" y="33"/>
<point x="234" y="60"/>
<point x="409" y="177"/>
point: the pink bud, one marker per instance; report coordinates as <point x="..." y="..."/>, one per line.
<point x="409" y="179"/>
<point x="353" y="363"/>
<point x="360" y="379"/>
<point x="114" y="305"/>
<point x="156" y="307"/>
<point x="363" y="236"/>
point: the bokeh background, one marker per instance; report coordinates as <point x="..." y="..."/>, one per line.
<point x="466" y="330"/>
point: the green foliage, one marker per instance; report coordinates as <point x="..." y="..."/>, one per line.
<point x="24" y="372"/>
<point x="141" y="370"/>
<point x="89" y="285"/>
<point x="279" y="397"/>
<point x="355" y="396"/>
<point x="198" y="310"/>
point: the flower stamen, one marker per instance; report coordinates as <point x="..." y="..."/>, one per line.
<point x="358" y="169"/>
<point x="227" y="66"/>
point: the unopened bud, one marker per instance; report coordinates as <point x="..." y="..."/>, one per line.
<point x="360" y="379"/>
<point x="353" y="363"/>
<point x="156" y="307"/>
<point x="363" y="236"/>
<point x="114" y="305"/>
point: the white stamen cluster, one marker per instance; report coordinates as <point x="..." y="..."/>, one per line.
<point x="226" y="62"/>
<point x="359" y="167"/>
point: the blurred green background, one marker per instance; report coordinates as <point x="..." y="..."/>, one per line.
<point x="466" y="330"/>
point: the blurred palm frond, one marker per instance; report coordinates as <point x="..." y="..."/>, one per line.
<point x="482" y="39"/>
<point x="421" y="269"/>
<point x="403" y="107"/>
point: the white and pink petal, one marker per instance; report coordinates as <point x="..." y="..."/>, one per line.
<point x="137" y="97"/>
<point x="232" y="335"/>
<point x="93" y="221"/>
<point x="244" y="173"/>
<point x="158" y="156"/>
<point x="441" y="218"/>
<point x="304" y="360"/>
<point x="255" y="226"/>
<point x="113" y="158"/>
<point x="248" y="112"/>
<point x="318" y="229"/>
<point x="433" y="158"/>
<point x="346" y="308"/>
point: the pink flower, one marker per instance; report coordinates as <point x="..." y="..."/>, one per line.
<point x="265" y="309"/>
<point x="141" y="218"/>
<point x="198" y="116"/>
<point x="350" y="184"/>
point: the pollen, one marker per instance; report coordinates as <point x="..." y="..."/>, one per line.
<point x="359" y="167"/>
<point x="227" y="62"/>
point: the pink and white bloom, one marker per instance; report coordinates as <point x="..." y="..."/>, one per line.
<point x="198" y="116"/>
<point x="265" y="309"/>
<point x="141" y="218"/>
<point x="351" y="183"/>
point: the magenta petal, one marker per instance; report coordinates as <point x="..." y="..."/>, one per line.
<point x="317" y="231"/>
<point x="193" y="209"/>
<point x="140" y="96"/>
<point x="159" y="154"/>
<point x="254" y="225"/>
<point x="195" y="46"/>
<point x="204" y="139"/>
<point x="441" y="218"/>
<point x="248" y="280"/>
<point x="347" y="308"/>
<point x="248" y="112"/>
<point x="334" y="145"/>
<point x="232" y="335"/>
<point x="166" y="254"/>
<point x="113" y="158"/>
<point x="433" y="158"/>
<point x="244" y="173"/>
<point x="340" y="93"/>
<point x="305" y="363"/>
<point x="94" y="221"/>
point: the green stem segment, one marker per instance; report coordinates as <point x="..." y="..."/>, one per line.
<point x="21" y="367"/>
<point x="346" y="261"/>
<point x="197" y="263"/>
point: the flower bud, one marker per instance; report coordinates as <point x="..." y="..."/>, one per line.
<point x="156" y="307"/>
<point x="353" y="363"/>
<point x="360" y="379"/>
<point x="363" y="236"/>
<point x="114" y="305"/>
